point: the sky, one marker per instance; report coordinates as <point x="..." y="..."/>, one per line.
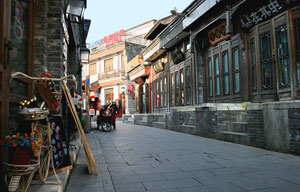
<point x="109" y="16"/>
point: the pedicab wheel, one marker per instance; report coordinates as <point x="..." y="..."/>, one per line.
<point x="44" y="153"/>
<point x="18" y="177"/>
<point x="106" y="127"/>
<point x="44" y="163"/>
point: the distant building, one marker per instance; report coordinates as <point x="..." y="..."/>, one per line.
<point x="140" y="71"/>
<point x="106" y="70"/>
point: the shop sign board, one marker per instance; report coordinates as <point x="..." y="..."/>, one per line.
<point x="140" y="80"/>
<point x="262" y="13"/>
<point x="178" y="56"/>
<point x="157" y="67"/>
<point x="218" y="33"/>
<point x="92" y="112"/>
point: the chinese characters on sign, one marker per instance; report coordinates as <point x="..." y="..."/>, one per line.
<point x="262" y="13"/>
<point x="113" y="38"/>
<point x="157" y="67"/>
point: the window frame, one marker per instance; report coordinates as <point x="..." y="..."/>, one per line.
<point x="270" y="28"/>
<point x="236" y="71"/>
<point x="108" y="65"/>
<point x="181" y="87"/>
<point x="218" y="51"/>
<point x="93" y="69"/>
<point x="172" y="89"/>
<point x="177" y="89"/>
<point x="226" y="73"/>
<point x="281" y="58"/>
<point x="165" y="79"/>
<point x="217" y="75"/>
<point x="188" y="85"/>
<point x="253" y="64"/>
<point x="210" y="78"/>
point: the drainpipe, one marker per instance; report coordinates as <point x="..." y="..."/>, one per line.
<point x="194" y="62"/>
<point x="228" y="20"/>
<point x="168" y="81"/>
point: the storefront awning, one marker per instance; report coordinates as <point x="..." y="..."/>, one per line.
<point x="94" y="88"/>
<point x="142" y="71"/>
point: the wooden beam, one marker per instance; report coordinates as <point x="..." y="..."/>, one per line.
<point x="89" y="156"/>
<point x="63" y="169"/>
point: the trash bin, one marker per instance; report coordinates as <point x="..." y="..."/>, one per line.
<point x="87" y="125"/>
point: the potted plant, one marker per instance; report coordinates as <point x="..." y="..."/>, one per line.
<point x="21" y="148"/>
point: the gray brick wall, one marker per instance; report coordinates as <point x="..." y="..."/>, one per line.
<point x="207" y="122"/>
<point x="258" y="127"/>
<point x="294" y="129"/>
<point x="200" y="71"/>
<point x="48" y="38"/>
<point x="40" y="37"/>
<point x="55" y="35"/>
<point x="173" y="120"/>
<point x="133" y="50"/>
<point x="255" y="123"/>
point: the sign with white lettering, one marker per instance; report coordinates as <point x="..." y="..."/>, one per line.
<point x="261" y="13"/>
<point x="157" y="67"/>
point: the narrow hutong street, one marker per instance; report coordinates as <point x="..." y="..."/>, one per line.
<point x="140" y="158"/>
<point x="189" y="96"/>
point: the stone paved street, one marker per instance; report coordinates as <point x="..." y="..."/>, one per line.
<point x="138" y="158"/>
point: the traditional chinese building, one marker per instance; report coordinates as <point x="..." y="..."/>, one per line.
<point x="141" y="72"/>
<point x="238" y="80"/>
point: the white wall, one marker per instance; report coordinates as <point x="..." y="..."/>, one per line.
<point x="142" y="29"/>
<point x="87" y="70"/>
<point x="102" y="97"/>
<point x="115" y="63"/>
<point x="102" y="66"/>
<point x="93" y="79"/>
<point x="116" y="93"/>
<point x="98" y="67"/>
<point x="120" y="60"/>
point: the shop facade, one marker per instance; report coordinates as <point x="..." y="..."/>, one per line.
<point x="232" y="73"/>
<point x="140" y="75"/>
<point x="256" y="61"/>
<point x="247" y="56"/>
